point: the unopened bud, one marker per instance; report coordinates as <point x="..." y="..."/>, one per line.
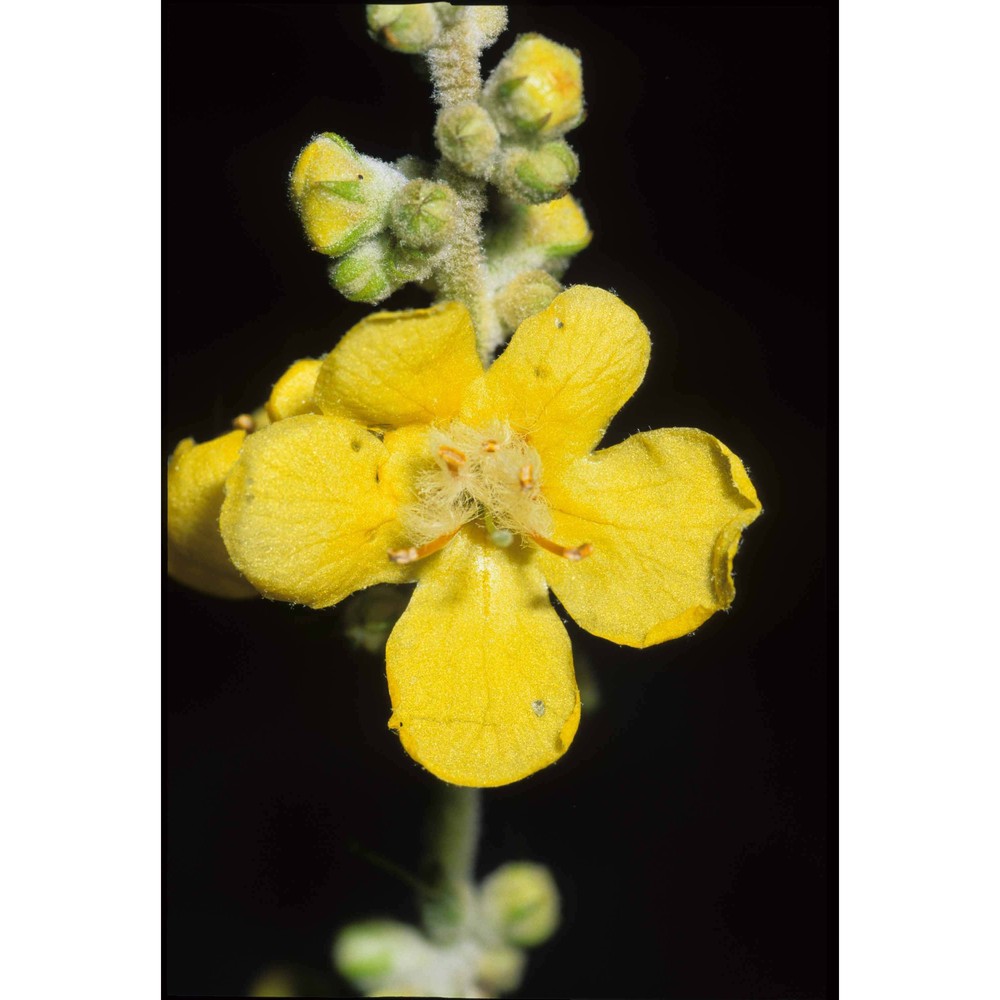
<point x="529" y="293"/>
<point x="466" y="135"/>
<point x="521" y="901"/>
<point x="559" y="227"/>
<point x="537" y="89"/>
<point x="538" y="175"/>
<point x="373" y="953"/>
<point x="501" y="969"/>
<point x="423" y="214"/>
<point x="412" y="27"/>
<point x="489" y="21"/>
<point x="340" y="194"/>
<point x="364" y="275"/>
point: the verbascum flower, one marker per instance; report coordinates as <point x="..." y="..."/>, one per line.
<point x="483" y="488"/>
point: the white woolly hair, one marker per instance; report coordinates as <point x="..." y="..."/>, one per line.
<point x="478" y="471"/>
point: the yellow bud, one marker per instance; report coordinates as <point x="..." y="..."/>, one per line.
<point x="411" y="28"/>
<point x="341" y="195"/>
<point x="559" y="226"/>
<point x="521" y="902"/>
<point x="537" y="89"/>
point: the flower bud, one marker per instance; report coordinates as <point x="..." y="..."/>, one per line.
<point x="521" y="901"/>
<point x="292" y="394"/>
<point x="423" y="214"/>
<point x="537" y="89"/>
<point x="501" y="969"/>
<point x="559" y="227"/>
<point x="466" y="135"/>
<point x="538" y="175"/>
<point x="364" y="275"/>
<point x="373" y="953"/>
<point x="341" y="195"/>
<point x="411" y="27"/>
<point x="529" y="293"/>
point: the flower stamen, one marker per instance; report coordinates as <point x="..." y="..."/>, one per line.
<point x="526" y="478"/>
<point x="574" y="554"/>
<point x="402" y="557"/>
<point x="452" y="457"/>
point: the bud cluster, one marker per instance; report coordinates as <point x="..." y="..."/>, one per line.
<point x="382" y="228"/>
<point x="515" y="908"/>
<point x="386" y="225"/>
<point x="513" y="136"/>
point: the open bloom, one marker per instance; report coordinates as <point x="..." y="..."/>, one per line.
<point x="410" y="463"/>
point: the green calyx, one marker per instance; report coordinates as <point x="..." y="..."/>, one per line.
<point x="534" y="176"/>
<point x="423" y="214"/>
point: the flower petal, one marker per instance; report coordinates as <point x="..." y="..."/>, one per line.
<point x="306" y="516"/>
<point x="292" y="394"/>
<point x="664" y="512"/>
<point x="565" y="373"/>
<point x="480" y="669"/>
<point x="196" y="555"/>
<point x="397" y="368"/>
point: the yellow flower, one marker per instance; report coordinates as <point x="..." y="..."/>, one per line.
<point x="484" y="489"/>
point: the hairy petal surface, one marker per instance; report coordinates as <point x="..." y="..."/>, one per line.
<point x="480" y="669"/>
<point x="307" y="517"/>
<point x="196" y="555"/>
<point x="565" y="373"/>
<point x="664" y="511"/>
<point x="397" y="368"/>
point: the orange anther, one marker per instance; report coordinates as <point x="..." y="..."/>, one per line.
<point x="526" y="478"/>
<point x="490" y="446"/>
<point x="244" y="422"/>
<point x="404" y="556"/>
<point x="574" y="554"/>
<point x="453" y="458"/>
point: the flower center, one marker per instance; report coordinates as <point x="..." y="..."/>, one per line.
<point x="488" y="474"/>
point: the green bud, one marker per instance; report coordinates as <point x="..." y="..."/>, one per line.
<point x="364" y="274"/>
<point x="466" y="135"/>
<point x="423" y="214"/>
<point x="529" y="293"/>
<point x="533" y="176"/>
<point x="373" y="953"/>
<point x="501" y="969"/>
<point x="402" y="27"/>
<point x="341" y="195"/>
<point x="520" y="901"/>
<point x="446" y="914"/>
<point x="537" y="89"/>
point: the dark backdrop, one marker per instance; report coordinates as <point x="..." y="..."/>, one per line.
<point x="687" y="825"/>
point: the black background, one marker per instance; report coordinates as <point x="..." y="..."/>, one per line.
<point x="687" y="824"/>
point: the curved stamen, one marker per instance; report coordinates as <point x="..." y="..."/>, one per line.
<point x="574" y="554"/>
<point x="404" y="556"/>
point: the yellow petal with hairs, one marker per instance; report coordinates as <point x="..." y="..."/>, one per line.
<point x="292" y="394"/>
<point x="664" y="512"/>
<point x="480" y="669"/>
<point x="307" y="517"/>
<point x="565" y="373"/>
<point x="397" y="368"/>
<point x="196" y="555"/>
